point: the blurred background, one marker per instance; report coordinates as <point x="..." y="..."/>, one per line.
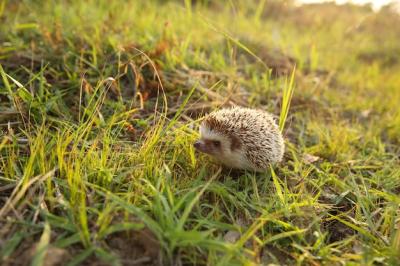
<point x="376" y="4"/>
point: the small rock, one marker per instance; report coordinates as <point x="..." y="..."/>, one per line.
<point x="232" y="236"/>
<point x="365" y="113"/>
<point x="309" y="158"/>
<point x="357" y="247"/>
<point x="55" y="256"/>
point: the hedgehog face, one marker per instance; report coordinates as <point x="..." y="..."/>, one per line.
<point x="211" y="142"/>
<point x="209" y="146"/>
<point x="224" y="147"/>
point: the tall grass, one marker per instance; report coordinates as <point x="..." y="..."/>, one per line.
<point x="287" y="94"/>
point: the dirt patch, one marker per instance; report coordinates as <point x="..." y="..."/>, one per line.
<point x="386" y="58"/>
<point x="136" y="247"/>
<point x="340" y="204"/>
<point x="279" y="62"/>
<point x="337" y="231"/>
<point x="272" y="255"/>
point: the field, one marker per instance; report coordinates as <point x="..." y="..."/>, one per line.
<point x="100" y="103"/>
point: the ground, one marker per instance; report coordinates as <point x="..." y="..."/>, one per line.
<point x="100" y="103"/>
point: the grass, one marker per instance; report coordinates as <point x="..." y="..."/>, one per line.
<point x="99" y="107"/>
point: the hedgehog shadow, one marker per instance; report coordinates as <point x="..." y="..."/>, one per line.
<point x="233" y="173"/>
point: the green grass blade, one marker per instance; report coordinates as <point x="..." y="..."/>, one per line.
<point x="42" y="246"/>
<point x="278" y="186"/>
<point x="287" y="95"/>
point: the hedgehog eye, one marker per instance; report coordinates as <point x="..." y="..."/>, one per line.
<point x="216" y="143"/>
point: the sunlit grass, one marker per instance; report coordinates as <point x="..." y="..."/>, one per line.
<point x="99" y="107"/>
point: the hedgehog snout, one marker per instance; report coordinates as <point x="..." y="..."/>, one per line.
<point x="198" y="144"/>
<point x="203" y="146"/>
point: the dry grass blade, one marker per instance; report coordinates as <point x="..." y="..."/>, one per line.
<point x="21" y="188"/>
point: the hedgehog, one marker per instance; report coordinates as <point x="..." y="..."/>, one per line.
<point x="241" y="138"/>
